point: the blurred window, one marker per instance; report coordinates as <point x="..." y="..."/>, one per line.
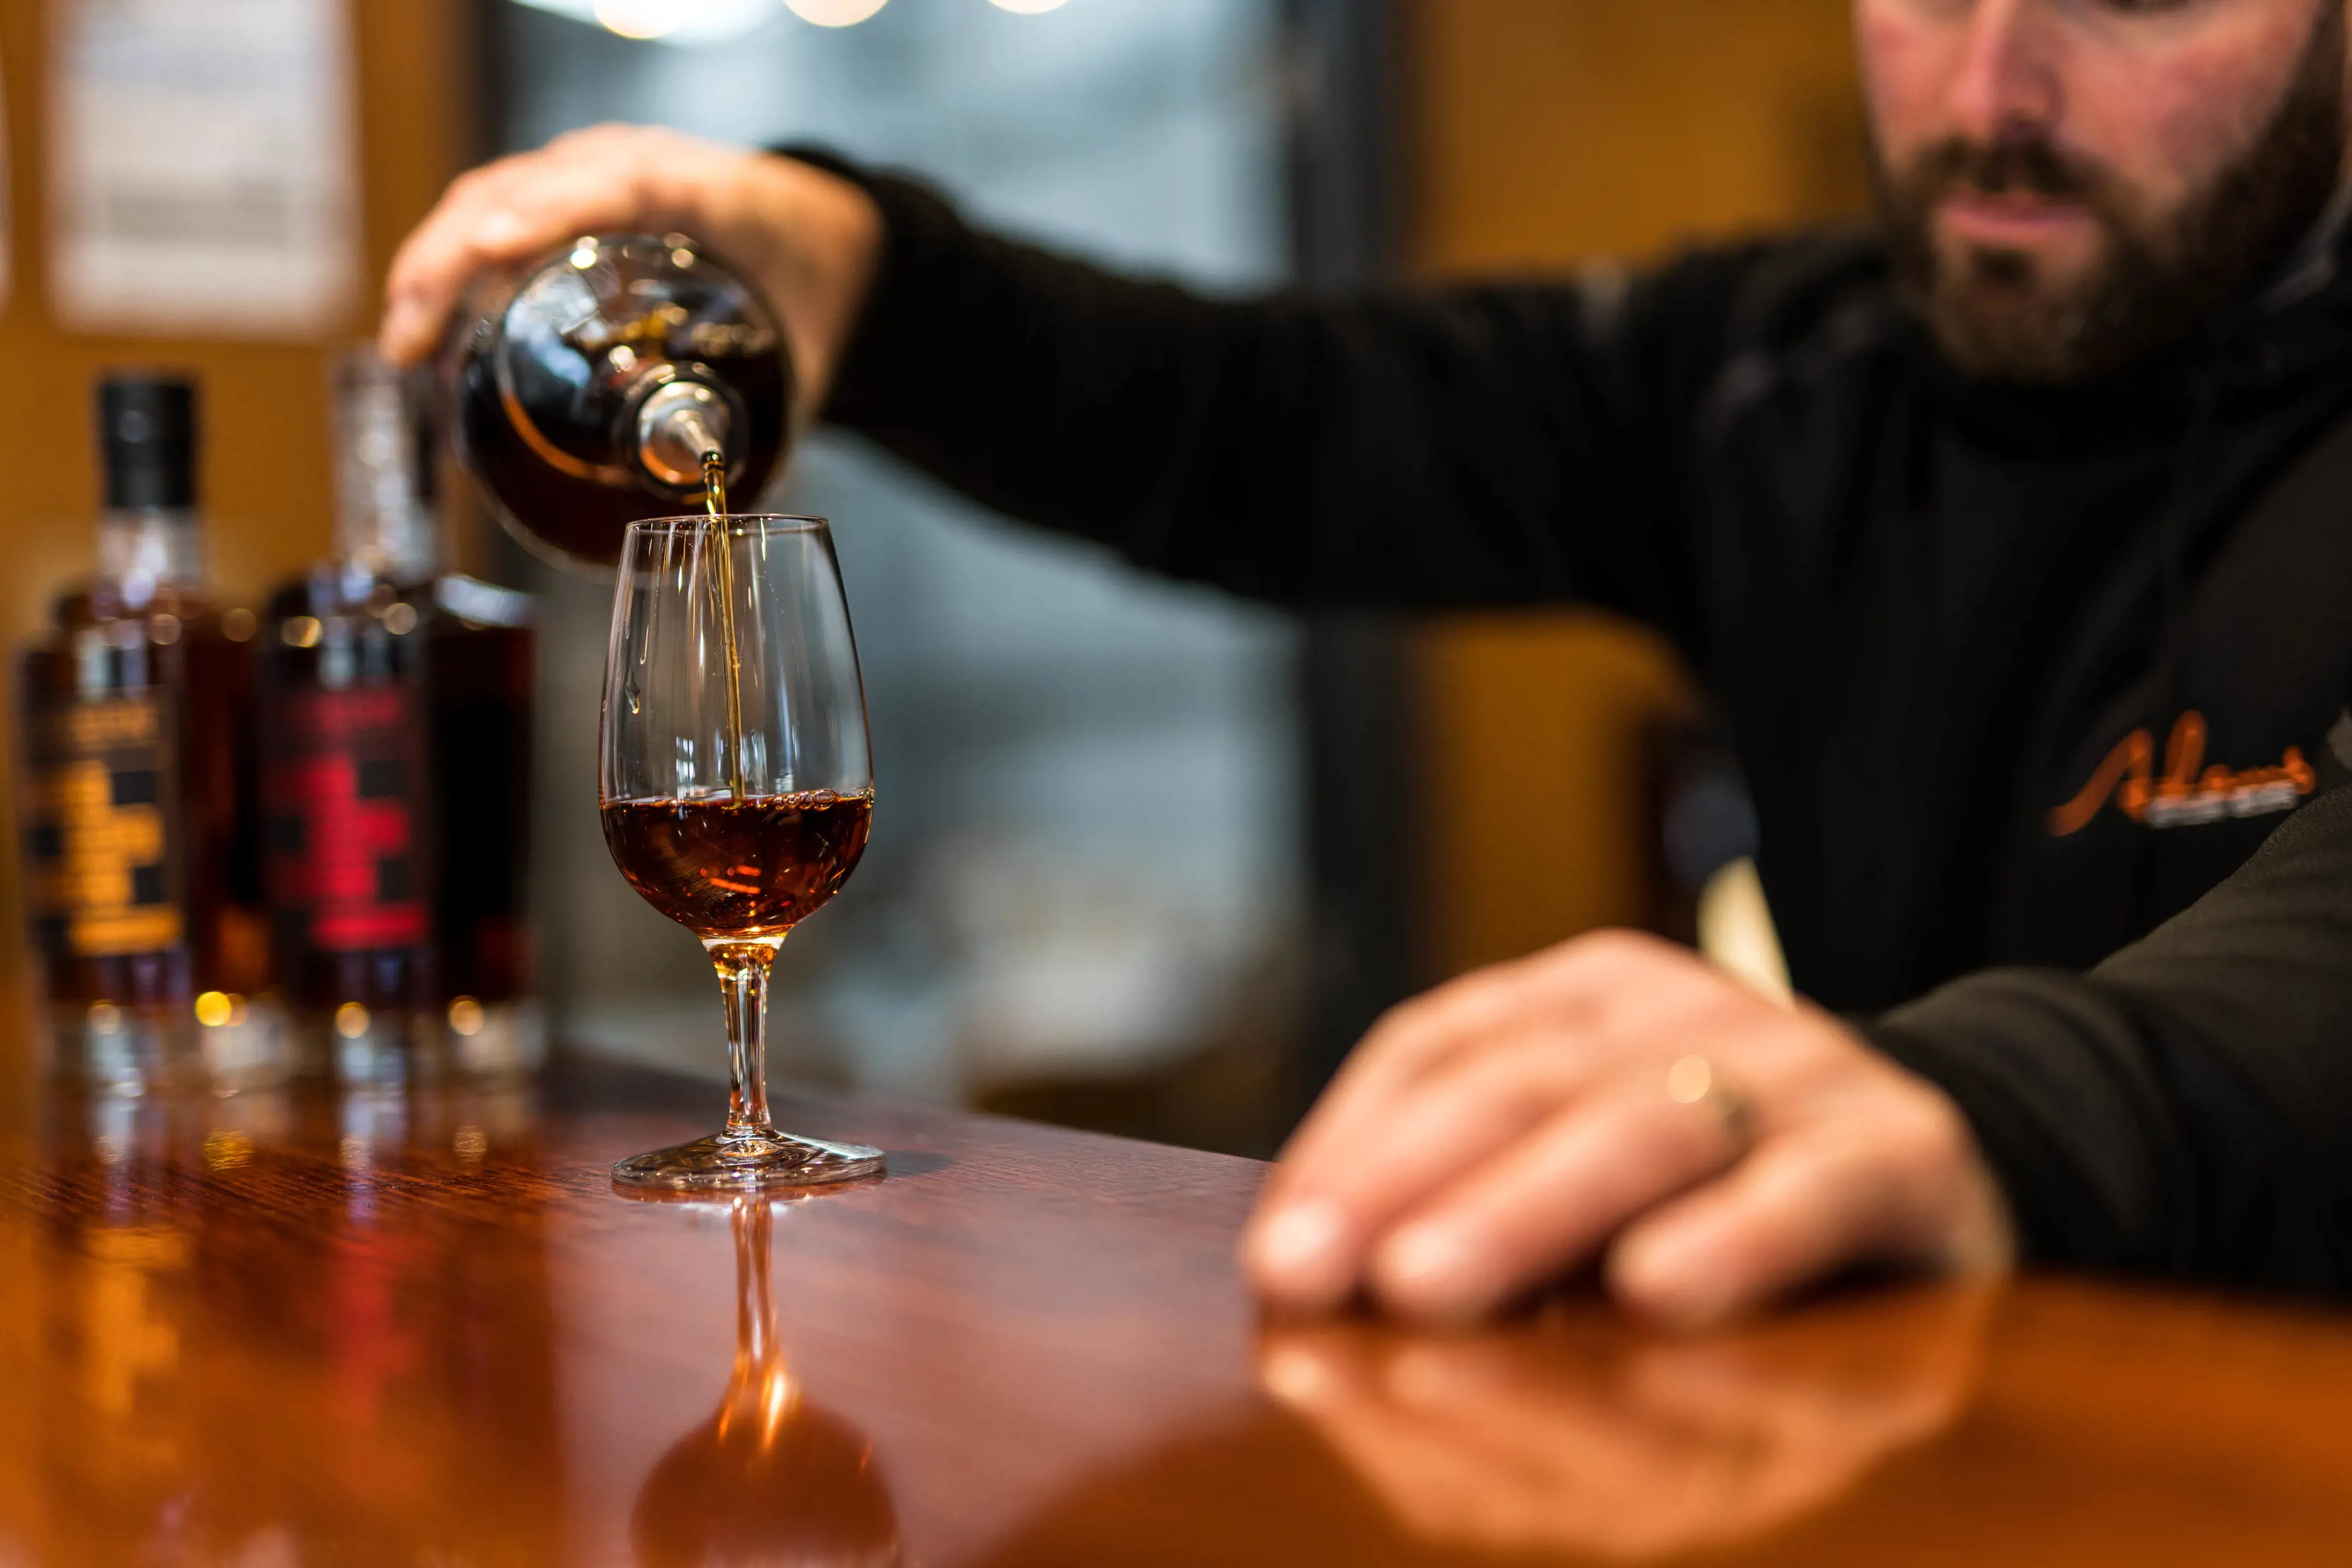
<point x="1088" y="858"/>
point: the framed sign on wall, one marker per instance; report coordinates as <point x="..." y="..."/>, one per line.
<point x="203" y="176"/>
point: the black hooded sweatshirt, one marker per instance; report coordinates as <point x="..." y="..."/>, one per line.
<point x="2015" y="674"/>
<point x="2182" y="1109"/>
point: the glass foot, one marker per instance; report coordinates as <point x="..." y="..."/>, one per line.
<point x="749" y="1162"/>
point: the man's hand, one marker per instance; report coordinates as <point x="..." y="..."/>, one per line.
<point x="1615" y="1092"/>
<point x="809" y="238"/>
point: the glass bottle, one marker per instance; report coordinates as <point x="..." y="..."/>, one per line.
<point x="136" y="711"/>
<point x="584" y="389"/>
<point x="396" y="716"/>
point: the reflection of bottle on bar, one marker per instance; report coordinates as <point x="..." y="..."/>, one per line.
<point x="147" y="1425"/>
<point x="395" y="722"/>
<point x="136" y="814"/>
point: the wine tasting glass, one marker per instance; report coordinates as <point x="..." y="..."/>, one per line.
<point x="737" y="789"/>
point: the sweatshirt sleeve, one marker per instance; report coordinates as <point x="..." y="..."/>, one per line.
<point x="1481" y="446"/>
<point x="2185" y="1108"/>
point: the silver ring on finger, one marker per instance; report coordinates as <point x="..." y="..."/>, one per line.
<point x="1695" y="1080"/>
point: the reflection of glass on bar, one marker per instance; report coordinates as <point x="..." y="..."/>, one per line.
<point x="771" y="1477"/>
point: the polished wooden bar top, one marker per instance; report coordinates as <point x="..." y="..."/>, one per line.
<point x="424" y="1328"/>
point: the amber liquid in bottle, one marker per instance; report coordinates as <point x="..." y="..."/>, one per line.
<point x="396" y="765"/>
<point x="346" y="800"/>
<point x="137" y="723"/>
<point x="480" y="674"/>
<point x="578" y="517"/>
<point x="551" y="379"/>
<point x="138" y="819"/>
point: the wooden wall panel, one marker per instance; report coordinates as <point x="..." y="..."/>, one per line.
<point x="266" y="472"/>
<point x="1546" y="823"/>
<point x="1553" y="131"/>
<point x="1542" y="133"/>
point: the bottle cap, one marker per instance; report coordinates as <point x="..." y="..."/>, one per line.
<point x="147" y="441"/>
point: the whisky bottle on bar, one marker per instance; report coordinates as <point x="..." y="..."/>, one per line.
<point x="394" y="740"/>
<point x="345" y="799"/>
<point x="136" y="707"/>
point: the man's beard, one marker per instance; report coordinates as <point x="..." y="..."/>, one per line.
<point x="2161" y="276"/>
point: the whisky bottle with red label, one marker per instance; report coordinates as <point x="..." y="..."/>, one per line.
<point x="136" y="707"/>
<point x="394" y="725"/>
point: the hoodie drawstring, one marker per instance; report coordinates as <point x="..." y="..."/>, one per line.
<point x="2168" y="666"/>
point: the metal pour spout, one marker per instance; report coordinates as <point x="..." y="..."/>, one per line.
<point x="678" y="423"/>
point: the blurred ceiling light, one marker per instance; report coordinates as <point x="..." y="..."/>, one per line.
<point x="683" y="22"/>
<point x="1029" y="7"/>
<point x="641" y="18"/>
<point x="834" y="13"/>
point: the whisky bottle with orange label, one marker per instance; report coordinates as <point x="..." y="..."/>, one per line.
<point x="394" y="732"/>
<point x="136" y="708"/>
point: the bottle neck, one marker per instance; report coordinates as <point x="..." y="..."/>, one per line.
<point x="382" y="529"/>
<point x="384" y="524"/>
<point x="144" y="550"/>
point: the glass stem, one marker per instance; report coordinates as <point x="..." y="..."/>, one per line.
<point x="743" y="980"/>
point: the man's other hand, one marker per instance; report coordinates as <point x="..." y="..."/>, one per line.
<point x="1615" y="1097"/>
<point x="809" y="238"/>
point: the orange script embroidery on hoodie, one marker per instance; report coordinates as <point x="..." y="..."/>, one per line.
<point x="2183" y="797"/>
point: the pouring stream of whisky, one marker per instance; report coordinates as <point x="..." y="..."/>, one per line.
<point x="714" y="483"/>
<point x="714" y="498"/>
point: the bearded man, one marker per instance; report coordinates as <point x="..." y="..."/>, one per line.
<point x="2011" y="536"/>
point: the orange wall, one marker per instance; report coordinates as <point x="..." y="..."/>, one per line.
<point x="1541" y="133"/>
<point x="266" y="472"/>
